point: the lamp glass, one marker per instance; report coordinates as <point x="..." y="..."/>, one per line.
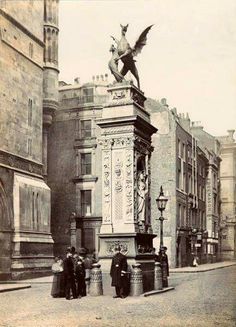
<point x="161" y="201"/>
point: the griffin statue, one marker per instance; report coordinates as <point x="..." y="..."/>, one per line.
<point x="126" y="54"/>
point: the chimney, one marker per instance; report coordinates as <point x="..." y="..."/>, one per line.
<point x="184" y="121"/>
<point x="77" y="80"/>
<point x="231" y="134"/>
<point x="164" y="102"/>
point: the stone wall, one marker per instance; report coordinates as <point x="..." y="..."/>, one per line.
<point x="28" y="13"/>
<point x="163" y="172"/>
<point x="21" y="92"/>
<point x="61" y="171"/>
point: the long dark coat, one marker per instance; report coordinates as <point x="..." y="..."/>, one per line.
<point x="119" y="264"/>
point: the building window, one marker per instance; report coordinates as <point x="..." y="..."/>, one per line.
<point x="30" y="108"/>
<point x="184" y="155"/>
<point x="86" y="164"/>
<point x="86" y="128"/>
<point x="179" y="216"/>
<point x="184" y="216"/>
<point x="189" y="183"/>
<point x="29" y="150"/>
<point x="184" y="182"/>
<point x="31" y="50"/>
<point x="179" y="148"/>
<point x="88" y="95"/>
<point x="86" y="203"/>
<point x="203" y="193"/>
<point x="203" y="220"/>
<point x="215" y="203"/>
<point x="179" y="182"/>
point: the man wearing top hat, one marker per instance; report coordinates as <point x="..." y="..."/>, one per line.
<point x="118" y="272"/>
<point x="69" y="274"/>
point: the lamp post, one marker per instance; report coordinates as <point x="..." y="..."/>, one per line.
<point x="161" y="205"/>
<point x="163" y="259"/>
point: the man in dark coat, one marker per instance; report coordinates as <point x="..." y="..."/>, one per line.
<point x="118" y="272"/>
<point x="163" y="259"/>
<point x="69" y="275"/>
<point x="80" y="278"/>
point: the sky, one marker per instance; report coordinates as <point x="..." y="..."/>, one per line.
<point x="189" y="58"/>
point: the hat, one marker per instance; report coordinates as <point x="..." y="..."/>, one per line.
<point x="68" y="249"/>
<point x="117" y="247"/>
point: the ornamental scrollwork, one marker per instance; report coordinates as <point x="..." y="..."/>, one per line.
<point x="111" y="247"/>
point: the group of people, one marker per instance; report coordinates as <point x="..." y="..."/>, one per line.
<point x="71" y="274"/>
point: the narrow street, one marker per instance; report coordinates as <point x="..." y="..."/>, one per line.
<point x="199" y="299"/>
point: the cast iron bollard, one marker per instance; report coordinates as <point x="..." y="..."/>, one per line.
<point x="95" y="287"/>
<point x="136" y="280"/>
<point x="158" y="276"/>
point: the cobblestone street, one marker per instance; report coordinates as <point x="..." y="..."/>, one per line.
<point x="199" y="299"/>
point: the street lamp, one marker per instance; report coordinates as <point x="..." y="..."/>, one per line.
<point x="161" y="205"/>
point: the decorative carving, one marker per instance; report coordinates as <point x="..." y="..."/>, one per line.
<point x="106" y="143"/>
<point x="118" y="95"/>
<point x="118" y="130"/>
<point x="118" y="175"/>
<point x="20" y="163"/>
<point x="142" y="146"/>
<point x="138" y="98"/>
<point x="11" y="161"/>
<point x="129" y="185"/>
<point x="111" y="247"/>
<point x="106" y="187"/>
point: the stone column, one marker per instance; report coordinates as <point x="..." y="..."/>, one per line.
<point x="126" y="151"/>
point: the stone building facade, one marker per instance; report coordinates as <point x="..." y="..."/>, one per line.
<point x="25" y="234"/>
<point x="211" y="147"/>
<point x="180" y="166"/>
<point x="74" y="165"/>
<point x="228" y="195"/>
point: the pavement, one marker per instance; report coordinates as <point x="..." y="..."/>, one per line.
<point x="206" y="299"/>
<point x="13" y="287"/>
<point x="204" y="267"/>
<point x="27" y="283"/>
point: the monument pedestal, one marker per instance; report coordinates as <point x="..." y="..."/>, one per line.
<point x="126" y="152"/>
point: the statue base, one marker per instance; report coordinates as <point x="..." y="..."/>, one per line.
<point x="138" y="248"/>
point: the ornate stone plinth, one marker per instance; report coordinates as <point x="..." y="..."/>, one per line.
<point x="126" y="150"/>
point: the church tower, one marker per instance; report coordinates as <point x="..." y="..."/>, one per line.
<point x="50" y="78"/>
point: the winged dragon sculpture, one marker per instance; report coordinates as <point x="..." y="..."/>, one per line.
<point x="126" y="54"/>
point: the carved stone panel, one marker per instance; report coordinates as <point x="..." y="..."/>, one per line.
<point x="106" y="186"/>
<point x="118" y="181"/>
<point x="129" y="185"/>
<point x="110" y="247"/>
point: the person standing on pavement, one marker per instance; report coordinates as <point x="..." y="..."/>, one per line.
<point x="69" y="275"/>
<point x="58" y="278"/>
<point x="118" y="272"/>
<point x="163" y="259"/>
<point x="80" y="279"/>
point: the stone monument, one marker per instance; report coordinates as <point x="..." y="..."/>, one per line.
<point x="126" y="151"/>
